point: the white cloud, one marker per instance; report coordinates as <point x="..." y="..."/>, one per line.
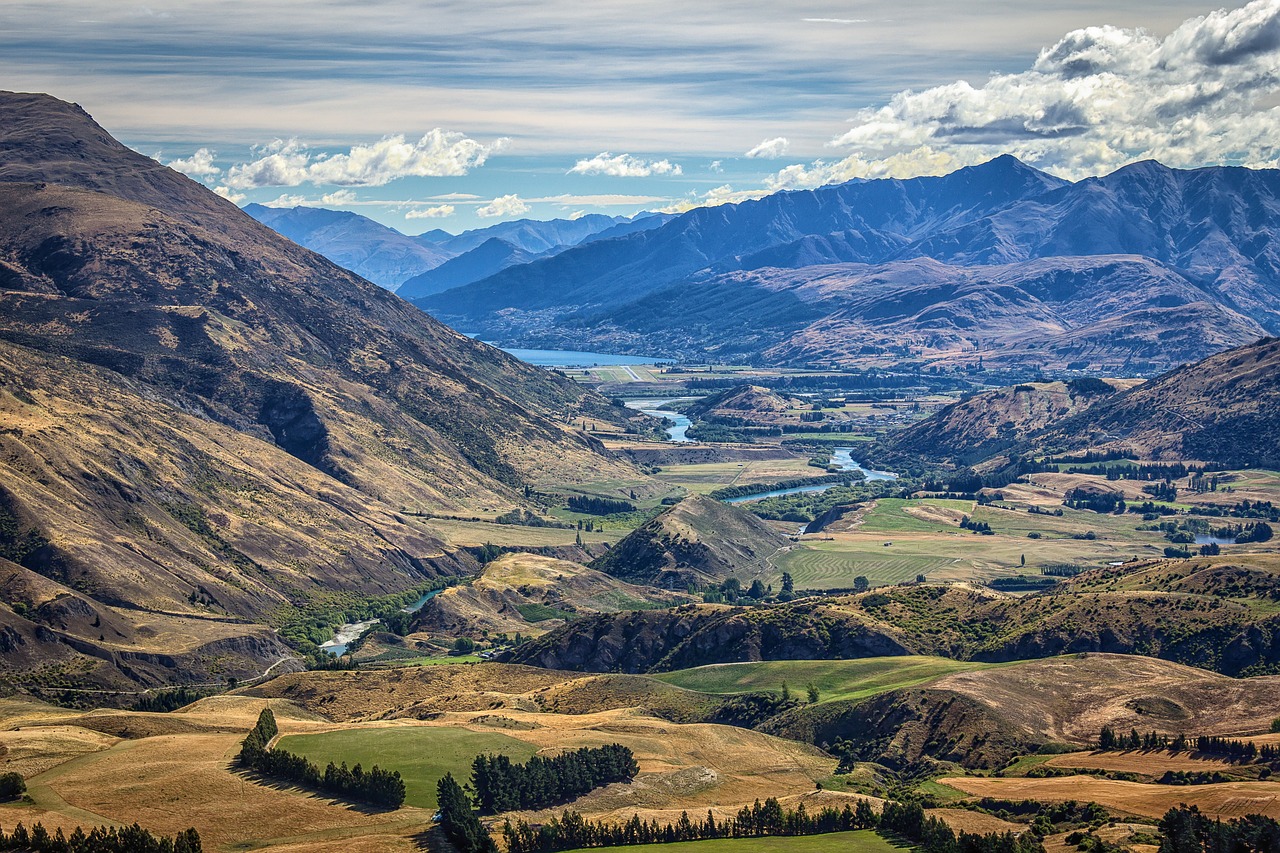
<point x="289" y="201"/>
<point x="455" y="197"/>
<point x="624" y="166"/>
<point x="713" y="197"/>
<point x="834" y="20"/>
<point x="1097" y="99"/>
<point x="338" y="197"/>
<point x="440" y="211"/>
<point x="198" y="165"/>
<point x="770" y="148"/>
<point x="577" y="214"/>
<point x="503" y="205"/>
<point x="230" y="195"/>
<point x="289" y="163"/>
<point x="716" y="166"/>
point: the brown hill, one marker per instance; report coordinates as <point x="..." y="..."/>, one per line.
<point x="1225" y="408"/>
<point x="529" y="594"/>
<point x="990" y="422"/>
<point x="742" y="404"/>
<point x="200" y="419"/>
<point x="699" y="540"/>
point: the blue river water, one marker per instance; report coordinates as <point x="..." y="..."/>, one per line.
<point x="842" y="457"/>
<point x="350" y="632"/>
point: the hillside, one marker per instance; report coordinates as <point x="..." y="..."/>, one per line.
<point x="528" y="594"/>
<point x="1225" y="408"/>
<point x="1222" y="624"/>
<point x="699" y="540"/>
<point x="1137" y="271"/>
<point x="481" y="262"/>
<point x="991" y="422"/>
<point x="204" y="421"/>
<point x="370" y="249"/>
<point x="745" y="403"/>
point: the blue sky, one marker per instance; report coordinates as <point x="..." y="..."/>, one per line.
<point x="460" y="114"/>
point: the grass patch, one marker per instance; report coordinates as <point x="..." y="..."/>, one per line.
<point x="538" y="612"/>
<point x="835" y="679"/>
<point x="889" y="516"/>
<point x="422" y="754"/>
<point x="860" y="841"/>
<point x="945" y="793"/>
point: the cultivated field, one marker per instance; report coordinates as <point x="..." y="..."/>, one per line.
<point x="835" y="680"/>
<point x="1225" y="800"/>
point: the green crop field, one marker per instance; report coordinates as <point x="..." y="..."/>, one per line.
<point x="889" y="516"/>
<point x="861" y="841"/>
<point x="834" y="565"/>
<point x="835" y="679"/>
<point x="422" y="754"/>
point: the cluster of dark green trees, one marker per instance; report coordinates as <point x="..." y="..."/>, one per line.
<point x="100" y="839"/>
<point x="1236" y="750"/>
<point x="599" y="506"/>
<point x="501" y="785"/>
<point x="377" y="787"/>
<point x="460" y="824"/>
<point x="981" y="527"/>
<point x="1185" y="830"/>
<point x="571" y="831"/>
<point x="932" y="835"/>
<point x="1100" y="502"/>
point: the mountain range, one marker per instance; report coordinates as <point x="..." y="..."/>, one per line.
<point x="389" y="258"/>
<point x="208" y="428"/>
<point x="1134" y="272"/>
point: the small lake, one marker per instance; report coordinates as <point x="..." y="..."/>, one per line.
<point x="679" y="423"/>
<point x="841" y="457"/>
<point x="1205" y="539"/>
<point x="350" y="632"/>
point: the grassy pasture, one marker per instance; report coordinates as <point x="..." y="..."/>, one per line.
<point x="835" y="679"/>
<point x="861" y="841"/>
<point x="422" y="754"/>
<point x="709" y="476"/>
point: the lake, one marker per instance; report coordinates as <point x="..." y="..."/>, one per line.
<point x="575" y="358"/>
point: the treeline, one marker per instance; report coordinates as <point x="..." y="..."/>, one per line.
<point x="1185" y="830"/>
<point x="100" y="839"/>
<point x="980" y="527"/>
<point x="599" y="506"/>
<point x="1149" y="471"/>
<point x="377" y="786"/>
<point x="932" y="835"/>
<point x="1101" y="502"/>
<point x="571" y="831"/>
<point x="501" y="785"/>
<point x="169" y="700"/>
<point x="460" y="824"/>
<point x="1235" y="750"/>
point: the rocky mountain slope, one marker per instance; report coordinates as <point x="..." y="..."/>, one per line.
<point x="203" y="422"/>
<point x="491" y="256"/>
<point x="1136" y="272"/>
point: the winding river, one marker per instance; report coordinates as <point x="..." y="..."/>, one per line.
<point x="679" y="423"/>
<point x="842" y="458"/>
<point x="352" y="631"/>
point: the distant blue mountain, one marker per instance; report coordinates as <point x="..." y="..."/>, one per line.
<point x="491" y="256"/>
<point x="535" y="236"/>
<point x="1135" y="271"/>
<point x="367" y="248"/>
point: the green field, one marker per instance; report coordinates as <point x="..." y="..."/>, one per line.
<point x="861" y="841"/>
<point x="422" y="754"/>
<point x="835" y="679"/>
<point x="834" y="565"/>
<point x="889" y="516"/>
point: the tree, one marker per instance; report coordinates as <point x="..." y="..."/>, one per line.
<point x="812" y="690"/>
<point x="861" y="584"/>
<point x="757" y="590"/>
<point x="1022" y="560"/>
<point x="12" y="786"/>
<point x="786" y="692"/>
<point x="788" y="585"/>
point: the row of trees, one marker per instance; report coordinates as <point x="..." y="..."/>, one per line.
<point x="599" y="506"/>
<point x="1185" y="830"/>
<point x="377" y="786"/>
<point x="100" y="839"/>
<point x="932" y="835"/>
<point x="571" y="831"/>
<point x="501" y="785"/>
<point x="1237" y="750"/>
<point x="460" y="824"/>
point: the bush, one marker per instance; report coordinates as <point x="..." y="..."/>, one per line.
<point x="12" y="786"/>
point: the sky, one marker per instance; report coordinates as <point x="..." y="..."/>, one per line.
<point x="458" y="115"/>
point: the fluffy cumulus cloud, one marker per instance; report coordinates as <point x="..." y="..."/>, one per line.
<point x="503" y="205"/>
<point x="230" y="195"/>
<point x="624" y="166"/>
<point x="198" y="165"/>
<point x="1099" y="98"/>
<point x="770" y="148"/>
<point x="288" y="163"/>
<point x="439" y="211"/>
